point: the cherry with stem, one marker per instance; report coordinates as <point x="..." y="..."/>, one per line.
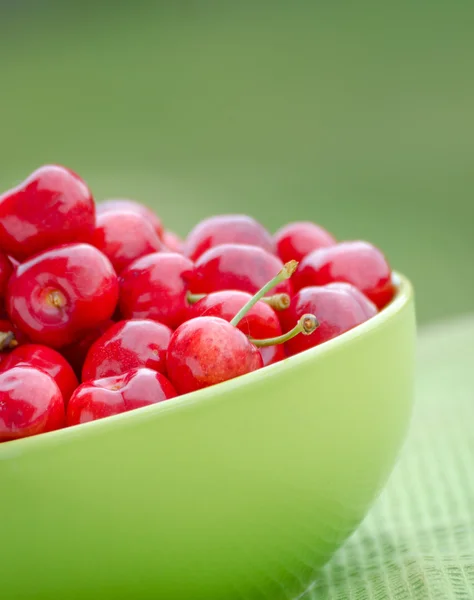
<point x="207" y="350"/>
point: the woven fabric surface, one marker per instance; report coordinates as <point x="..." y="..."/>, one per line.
<point x="418" y="540"/>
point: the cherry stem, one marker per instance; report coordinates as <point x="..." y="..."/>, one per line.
<point x="56" y="299"/>
<point x="277" y="301"/>
<point x="7" y="340"/>
<point x="287" y="271"/>
<point x="193" y="298"/>
<point x="306" y="325"/>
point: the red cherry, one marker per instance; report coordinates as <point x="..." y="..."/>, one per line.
<point x="123" y="237"/>
<point x="57" y="294"/>
<point x="113" y="395"/>
<point x="368" y="307"/>
<point x="173" y="242"/>
<point x="208" y="350"/>
<point x="359" y="263"/>
<point x="338" y="310"/>
<point x="30" y="403"/>
<point x="295" y="240"/>
<point x="76" y="353"/>
<point x="236" y="267"/>
<point x="227" y="229"/>
<point x="154" y="287"/>
<point x="53" y="206"/>
<point x="128" y="345"/>
<point x="136" y="207"/>
<point x="6" y="270"/>
<point x="47" y="360"/>
<point x="260" y="322"/>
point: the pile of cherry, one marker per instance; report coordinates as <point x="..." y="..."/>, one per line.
<point x="103" y="294"/>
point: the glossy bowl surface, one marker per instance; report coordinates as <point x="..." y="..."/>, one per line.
<point x="239" y="491"/>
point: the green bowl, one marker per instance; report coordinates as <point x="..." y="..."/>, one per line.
<point x="239" y="491"/>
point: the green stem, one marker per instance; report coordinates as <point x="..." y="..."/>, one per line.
<point x="306" y="325"/>
<point x="193" y="298"/>
<point x="285" y="273"/>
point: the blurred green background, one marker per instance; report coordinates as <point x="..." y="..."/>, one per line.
<point x="357" y="116"/>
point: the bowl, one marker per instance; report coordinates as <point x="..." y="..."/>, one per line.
<point x="238" y="491"/>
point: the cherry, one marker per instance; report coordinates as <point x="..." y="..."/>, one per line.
<point x="261" y="321"/>
<point x="368" y="307"/>
<point x="57" y="294"/>
<point x="121" y="204"/>
<point x="295" y="240"/>
<point x="52" y="206"/>
<point x="113" y="395"/>
<point x="236" y="267"/>
<point x="128" y="345"/>
<point x="30" y="403"/>
<point x="338" y="311"/>
<point x="6" y="270"/>
<point x="173" y="242"/>
<point x="47" y="360"/>
<point x="123" y="237"/>
<point x="208" y="350"/>
<point x="154" y="287"/>
<point x="76" y="353"/>
<point x="359" y="263"/>
<point x="227" y="229"/>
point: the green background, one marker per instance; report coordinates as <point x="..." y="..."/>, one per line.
<point x="357" y="116"/>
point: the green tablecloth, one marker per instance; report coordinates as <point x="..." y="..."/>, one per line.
<point x="418" y="540"/>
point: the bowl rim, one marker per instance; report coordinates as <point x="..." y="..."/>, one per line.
<point x="402" y="298"/>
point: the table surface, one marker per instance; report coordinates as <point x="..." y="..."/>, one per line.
<point x="418" y="540"/>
